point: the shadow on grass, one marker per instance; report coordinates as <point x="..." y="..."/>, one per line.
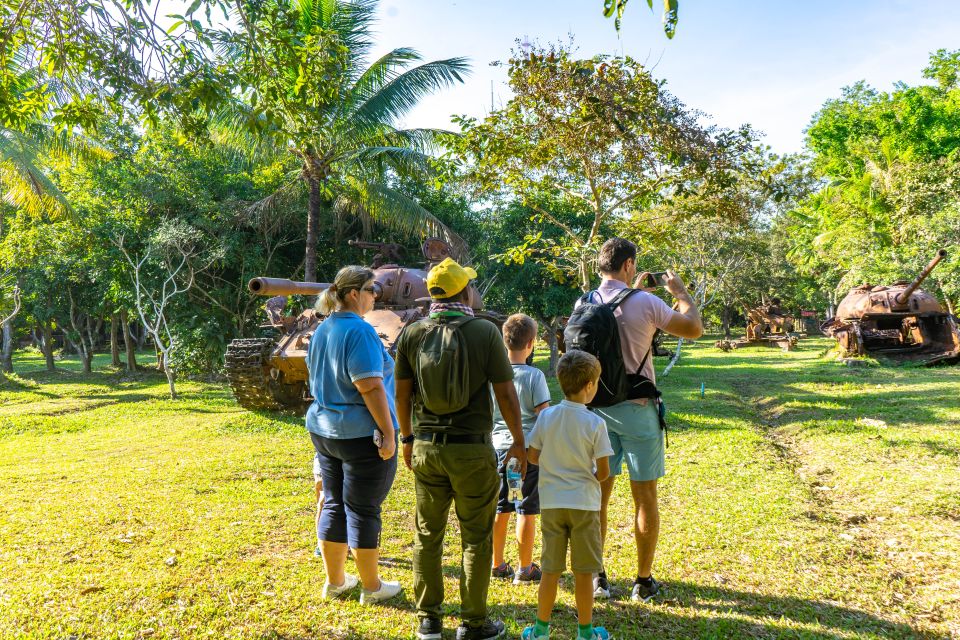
<point x="18" y="382"/>
<point x="690" y="610"/>
<point x="687" y="610"/>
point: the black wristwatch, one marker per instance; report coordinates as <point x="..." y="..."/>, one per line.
<point x="407" y="439"/>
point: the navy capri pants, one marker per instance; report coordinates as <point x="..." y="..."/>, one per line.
<point x="355" y="483"/>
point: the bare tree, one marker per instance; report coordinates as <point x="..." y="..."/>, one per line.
<point x="6" y="354"/>
<point x="713" y="255"/>
<point x="165" y="270"/>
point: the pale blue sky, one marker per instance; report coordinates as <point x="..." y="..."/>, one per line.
<point x="769" y="63"/>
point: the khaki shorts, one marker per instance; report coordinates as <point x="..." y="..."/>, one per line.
<point x="578" y="527"/>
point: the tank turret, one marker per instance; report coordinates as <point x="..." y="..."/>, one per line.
<point x="903" y="297"/>
<point x="271" y="373"/>
<point x="767" y="325"/>
<point x="901" y="321"/>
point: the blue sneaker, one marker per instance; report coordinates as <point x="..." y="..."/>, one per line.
<point x="599" y="633"/>
<point x="529" y="633"/>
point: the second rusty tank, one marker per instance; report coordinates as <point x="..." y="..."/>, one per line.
<point x="767" y="325"/>
<point x="900" y="321"/>
<point x="271" y="373"/>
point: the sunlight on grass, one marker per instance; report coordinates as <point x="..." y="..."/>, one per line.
<point x="803" y="499"/>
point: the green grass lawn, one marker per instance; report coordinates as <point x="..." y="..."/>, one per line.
<point x="803" y="499"/>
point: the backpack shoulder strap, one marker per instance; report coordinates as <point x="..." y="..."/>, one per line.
<point x="645" y="358"/>
<point x="458" y="321"/>
<point x="620" y="297"/>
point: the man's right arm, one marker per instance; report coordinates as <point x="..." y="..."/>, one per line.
<point x="403" y="397"/>
<point x="686" y="321"/>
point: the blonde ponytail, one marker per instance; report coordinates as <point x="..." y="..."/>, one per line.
<point x="348" y="278"/>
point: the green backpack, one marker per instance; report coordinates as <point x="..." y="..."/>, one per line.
<point x="442" y="366"/>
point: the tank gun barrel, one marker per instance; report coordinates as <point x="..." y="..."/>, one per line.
<point x="904" y="296"/>
<point x="362" y="244"/>
<point x="285" y="287"/>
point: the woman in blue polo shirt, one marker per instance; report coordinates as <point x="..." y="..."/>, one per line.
<point x="351" y="379"/>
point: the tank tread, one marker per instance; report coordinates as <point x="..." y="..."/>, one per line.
<point x="244" y="359"/>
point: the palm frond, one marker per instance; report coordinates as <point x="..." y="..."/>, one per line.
<point x="249" y="138"/>
<point x="25" y="183"/>
<point x="352" y="22"/>
<point x="380" y="73"/>
<point x="286" y="196"/>
<point x="405" y="91"/>
<point x="405" y="161"/>
<point x="394" y="210"/>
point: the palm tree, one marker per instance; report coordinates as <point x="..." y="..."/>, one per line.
<point x="30" y="144"/>
<point x="333" y="113"/>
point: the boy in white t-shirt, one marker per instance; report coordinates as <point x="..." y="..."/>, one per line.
<point x="519" y="334"/>
<point x="570" y="444"/>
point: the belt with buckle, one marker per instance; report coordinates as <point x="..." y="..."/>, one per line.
<point x="445" y="438"/>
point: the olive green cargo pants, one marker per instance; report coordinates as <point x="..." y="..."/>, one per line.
<point x="465" y="474"/>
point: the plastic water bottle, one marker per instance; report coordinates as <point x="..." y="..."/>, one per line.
<point x="513" y="482"/>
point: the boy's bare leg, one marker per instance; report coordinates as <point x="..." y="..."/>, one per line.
<point x="606" y="490"/>
<point x="646" y="524"/>
<point x="526" y="530"/>
<point x="547" y="595"/>
<point x="500" y="527"/>
<point x="583" y="591"/>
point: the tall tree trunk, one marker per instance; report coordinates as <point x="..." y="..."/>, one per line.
<point x="115" y="340"/>
<point x="93" y="334"/>
<point x="553" y="341"/>
<point x="6" y="354"/>
<point x="140" y="334"/>
<point x="128" y="342"/>
<point x="726" y="320"/>
<point x="47" y="345"/>
<point x="171" y="380"/>
<point x="161" y="363"/>
<point x="84" y="350"/>
<point x="674" y="360"/>
<point x="584" y="274"/>
<point x="313" y="228"/>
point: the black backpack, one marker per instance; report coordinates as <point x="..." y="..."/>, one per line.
<point x="593" y="328"/>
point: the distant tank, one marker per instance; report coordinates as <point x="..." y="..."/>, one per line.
<point x="767" y="325"/>
<point x="271" y="373"/>
<point x="901" y="321"/>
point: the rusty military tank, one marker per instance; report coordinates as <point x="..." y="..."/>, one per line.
<point x="270" y="373"/>
<point x="900" y="321"/>
<point x="767" y="325"/>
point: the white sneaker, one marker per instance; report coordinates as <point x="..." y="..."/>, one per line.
<point x="386" y="591"/>
<point x="601" y="588"/>
<point x="331" y="591"/>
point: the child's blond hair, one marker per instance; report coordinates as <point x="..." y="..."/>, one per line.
<point x="575" y="369"/>
<point x="518" y="331"/>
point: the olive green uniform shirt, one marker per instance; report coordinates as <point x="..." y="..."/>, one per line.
<point x="487" y="362"/>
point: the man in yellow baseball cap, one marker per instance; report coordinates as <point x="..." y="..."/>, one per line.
<point x="448" y="278"/>
<point x="445" y="367"/>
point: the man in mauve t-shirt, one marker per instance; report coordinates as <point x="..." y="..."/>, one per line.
<point x="634" y="425"/>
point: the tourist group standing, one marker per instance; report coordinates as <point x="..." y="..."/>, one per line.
<point x="476" y="428"/>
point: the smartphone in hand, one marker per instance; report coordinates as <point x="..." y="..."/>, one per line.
<point x="655" y="279"/>
<point x="378" y="438"/>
